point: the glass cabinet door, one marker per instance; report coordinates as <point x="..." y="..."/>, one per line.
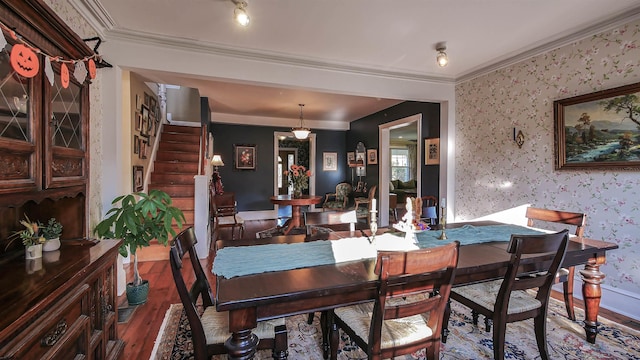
<point x="66" y="134"/>
<point x="19" y="129"/>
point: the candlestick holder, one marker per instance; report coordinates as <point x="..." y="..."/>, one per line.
<point x="443" y="223"/>
<point x="373" y="225"/>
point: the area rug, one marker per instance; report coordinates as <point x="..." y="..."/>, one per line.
<point x="565" y="339"/>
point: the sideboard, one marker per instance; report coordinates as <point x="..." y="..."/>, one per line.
<point x="62" y="306"/>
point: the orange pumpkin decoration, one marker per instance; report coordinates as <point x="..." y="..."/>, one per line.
<point x="64" y="75"/>
<point x="24" y="61"/>
<point x="92" y="69"/>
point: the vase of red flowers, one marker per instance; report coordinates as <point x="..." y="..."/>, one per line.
<point x="298" y="178"/>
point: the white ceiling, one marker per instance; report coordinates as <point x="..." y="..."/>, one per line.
<point x="392" y="38"/>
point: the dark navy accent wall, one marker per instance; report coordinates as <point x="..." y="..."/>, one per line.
<point x="253" y="188"/>
<point x="366" y="130"/>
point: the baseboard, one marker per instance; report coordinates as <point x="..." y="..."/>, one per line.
<point x="617" y="300"/>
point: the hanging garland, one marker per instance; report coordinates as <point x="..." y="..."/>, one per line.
<point x="25" y="61"/>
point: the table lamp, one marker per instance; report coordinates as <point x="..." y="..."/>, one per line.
<point x="216" y="178"/>
<point x="430" y="213"/>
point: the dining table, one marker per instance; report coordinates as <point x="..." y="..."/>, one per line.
<point x="296" y="204"/>
<point x="290" y="280"/>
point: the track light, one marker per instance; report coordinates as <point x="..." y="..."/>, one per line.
<point x="441" y="57"/>
<point x="240" y="14"/>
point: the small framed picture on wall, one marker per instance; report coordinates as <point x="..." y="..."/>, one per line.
<point x="372" y="156"/>
<point x="330" y="161"/>
<point x="138" y="178"/>
<point x="244" y="157"/>
<point x="432" y="151"/>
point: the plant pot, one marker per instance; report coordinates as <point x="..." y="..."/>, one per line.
<point x="137" y="295"/>
<point x="51" y="244"/>
<point x="33" y="251"/>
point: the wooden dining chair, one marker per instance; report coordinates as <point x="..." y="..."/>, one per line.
<point x="407" y="314"/>
<point x="565" y="275"/>
<point x="210" y="330"/>
<point x="365" y="212"/>
<point x="224" y="213"/>
<point x="517" y="297"/>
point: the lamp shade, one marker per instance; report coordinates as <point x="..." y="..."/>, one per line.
<point x="430" y="212"/>
<point x="301" y="133"/>
<point x="217" y="161"/>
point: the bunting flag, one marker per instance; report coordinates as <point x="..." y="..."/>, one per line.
<point x="25" y="60"/>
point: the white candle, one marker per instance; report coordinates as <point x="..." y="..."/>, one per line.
<point x="443" y="203"/>
<point x="373" y="204"/>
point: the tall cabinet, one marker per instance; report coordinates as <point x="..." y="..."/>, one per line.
<point x="63" y="307"/>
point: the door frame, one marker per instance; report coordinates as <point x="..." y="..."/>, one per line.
<point x="385" y="162"/>
<point x="312" y="162"/>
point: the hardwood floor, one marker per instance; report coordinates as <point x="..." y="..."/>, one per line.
<point x="140" y="332"/>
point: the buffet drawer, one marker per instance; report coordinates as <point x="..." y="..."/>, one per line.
<point x="63" y="330"/>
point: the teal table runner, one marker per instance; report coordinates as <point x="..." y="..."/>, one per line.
<point x="246" y="260"/>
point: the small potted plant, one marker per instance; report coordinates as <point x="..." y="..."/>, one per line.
<point x="31" y="238"/>
<point x="139" y="219"/>
<point x="51" y="232"/>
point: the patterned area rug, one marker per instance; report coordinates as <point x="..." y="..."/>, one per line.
<point x="565" y="339"/>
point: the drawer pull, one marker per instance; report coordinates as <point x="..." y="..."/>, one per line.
<point x="54" y="335"/>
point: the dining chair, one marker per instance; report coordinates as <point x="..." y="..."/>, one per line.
<point x="327" y="221"/>
<point x="517" y="297"/>
<point x="565" y="276"/>
<point x="407" y="313"/>
<point x="210" y="328"/>
<point x="393" y="206"/>
<point x="338" y="200"/>
<point x="224" y="213"/>
<point x="365" y="213"/>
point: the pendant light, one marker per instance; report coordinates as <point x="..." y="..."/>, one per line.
<point x="240" y="14"/>
<point x="301" y="132"/>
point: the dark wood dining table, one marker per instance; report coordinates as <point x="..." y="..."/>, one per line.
<point x="296" y="205"/>
<point x="252" y="298"/>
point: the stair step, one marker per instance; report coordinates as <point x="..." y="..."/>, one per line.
<point x="183" y="203"/>
<point x="175" y="190"/>
<point x="177" y="156"/>
<point x="171" y="178"/>
<point x="177" y="146"/>
<point x="181" y="129"/>
<point x="181" y="138"/>
<point x="172" y="167"/>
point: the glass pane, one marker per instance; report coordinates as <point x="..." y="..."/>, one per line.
<point x="65" y="118"/>
<point x="14" y="101"/>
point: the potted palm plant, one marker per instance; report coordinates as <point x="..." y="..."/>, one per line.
<point x="139" y="219"/>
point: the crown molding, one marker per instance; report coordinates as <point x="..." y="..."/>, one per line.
<point x="548" y="45"/>
<point x="95" y="14"/>
<point x="192" y="45"/>
<point x="277" y="122"/>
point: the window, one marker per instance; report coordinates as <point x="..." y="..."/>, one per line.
<point x="400" y="164"/>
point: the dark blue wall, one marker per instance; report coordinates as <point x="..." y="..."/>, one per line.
<point x="366" y="130"/>
<point x="253" y="188"/>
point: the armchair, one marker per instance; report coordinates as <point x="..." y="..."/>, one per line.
<point x="338" y="200"/>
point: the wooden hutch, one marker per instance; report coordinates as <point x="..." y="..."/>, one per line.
<point x="64" y="305"/>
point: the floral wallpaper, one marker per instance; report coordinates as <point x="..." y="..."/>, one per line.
<point x="77" y="23"/>
<point x="493" y="174"/>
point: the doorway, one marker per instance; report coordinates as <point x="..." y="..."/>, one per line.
<point x="287" y="138"/>
<point x="385" y="160"/>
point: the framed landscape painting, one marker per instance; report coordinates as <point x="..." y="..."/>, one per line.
<point x="600" y="130"/>
<point x="244" y="157"/>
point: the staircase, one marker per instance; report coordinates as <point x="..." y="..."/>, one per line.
<point x="175" y="166"/>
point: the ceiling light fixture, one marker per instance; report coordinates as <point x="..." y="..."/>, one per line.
<point x="240" y="14"/>
<point x="441" y="57"/>
<point x="301" y="132"/>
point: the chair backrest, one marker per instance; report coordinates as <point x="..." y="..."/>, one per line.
<point x="422" y="277"/>
<point x="184" y="243"/>
<point x="555" y="216"/>
<point x="343" y="190"/>
<point x="429" y="200"/>
<point x="333" y="220"/>
<point x="544" y="254"/>
<point x="224" y="204"/>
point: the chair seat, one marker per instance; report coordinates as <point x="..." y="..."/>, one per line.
<point x="395" y="332"/>
<point x="216" y="326"/>
<point x="484" y="294"/>
<point x="230" y="220"/>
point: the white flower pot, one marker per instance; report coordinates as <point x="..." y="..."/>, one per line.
<point x="33" y="251"/>
<point x="51" y="244"/>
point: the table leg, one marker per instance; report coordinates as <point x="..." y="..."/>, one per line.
<point x="295" y="219"/>
<point x="242" y="345"/>
<point x="591" y="293"/>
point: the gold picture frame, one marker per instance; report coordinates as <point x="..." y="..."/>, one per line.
<point x="432" y="151"/>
